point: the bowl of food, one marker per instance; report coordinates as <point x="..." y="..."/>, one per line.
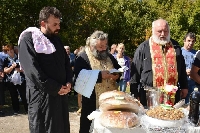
<point x="165" y="117"/>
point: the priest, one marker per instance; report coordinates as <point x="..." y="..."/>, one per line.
<point x="48" y="74"/>
<point x="96" y="56"/>
<point x="158" y="61"/>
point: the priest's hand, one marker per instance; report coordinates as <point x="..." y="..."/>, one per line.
<point x="105" y="74"/>
<point x="188" y="71"/>
<point x="114" y="76"/>
<point x="184" y="93"/>
<point x="64" y="90"/>
<point x="128" y="83"/>
<point x="68" y="85"/>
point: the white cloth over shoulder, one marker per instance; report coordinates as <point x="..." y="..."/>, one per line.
<point x="86" y="81"/>
<point x="41" y="43"/>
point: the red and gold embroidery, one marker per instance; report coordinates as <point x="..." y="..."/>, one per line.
<point x="164" y="64"/>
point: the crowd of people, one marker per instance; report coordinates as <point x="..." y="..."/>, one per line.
<point x="47" y="71"/>
<point x="9" y="66"/>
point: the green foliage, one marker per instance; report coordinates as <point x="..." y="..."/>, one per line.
<point x="182" y="16"/>
<point x="127" y="21"/>
<point x="124" y="20"/>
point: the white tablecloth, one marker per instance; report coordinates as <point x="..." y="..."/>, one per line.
<point x="191" y="129"/>
<point x="98" y="128"/>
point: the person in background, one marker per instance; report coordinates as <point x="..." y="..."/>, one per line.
<point x="2" y="94"/>
<point x="11" y="64"/>
<point x="3" y="56"/>
<point x="16" y="50"/>
<point x="124" y="62"/>
<point x="48" y="74"/>
<point x="113" y="50"/>
<point x="189" y="53"/>
<point x="96" y="56"/>
<point x="77" y="52"/>
<point x="157" y="62"/>
<point x="195" y="70"/>
<point x="71" y="56"/>
<point x="3" y="53"/>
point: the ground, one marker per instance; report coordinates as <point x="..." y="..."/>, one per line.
<point x="10" y="123"/>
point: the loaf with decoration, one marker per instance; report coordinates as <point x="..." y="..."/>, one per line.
<point x="118" y="119"/>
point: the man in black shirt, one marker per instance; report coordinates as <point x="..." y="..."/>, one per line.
<point x="195" y="70"/>
<point x="158" y="61"/>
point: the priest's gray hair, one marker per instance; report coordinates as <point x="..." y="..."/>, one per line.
<point x="157" y="39"/>
<point x="153" y="24"/>
<point x="97" y="35"/>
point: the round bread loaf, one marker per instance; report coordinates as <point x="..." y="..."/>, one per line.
<point x="119" y="103"/>
<point x="118" y="119"/>
<point x="109" y="94"/>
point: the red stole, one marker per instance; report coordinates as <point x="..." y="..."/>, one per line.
<point x="164" y="65"/>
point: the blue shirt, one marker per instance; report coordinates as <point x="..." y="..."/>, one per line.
<point x="7" y="63"/>
<point x="1" y="63"/>
<point x="72" y="59"/>
<point x="3" y="55"/>
<point x="189" y="59"/>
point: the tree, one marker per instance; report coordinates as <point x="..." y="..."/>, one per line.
<point x="124" y="20"/>
<point x="182" y="16"/>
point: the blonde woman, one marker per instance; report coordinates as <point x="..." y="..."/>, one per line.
<point x="124" y="62"/>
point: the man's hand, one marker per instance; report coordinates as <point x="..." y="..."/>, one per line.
<point x="184" y="93"/>
<point x="62" y="90"/>
<point x="18" y="69"/>
<point x="105" y="74"/>
<point x="128" y="83"/>
<point x="65" y="89"/>
<point x="69" y="86"/>
<point x="108" y="75"/>
<point x="188" y="71"/>
<point x="2" y="74"/>
<point x="114" y="76"/>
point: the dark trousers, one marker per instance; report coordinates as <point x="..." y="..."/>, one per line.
<point x="88" y="106"/>
<point x="2" y="94"/>
<point x="15" y="91"/>
<point x="48" y="114"/>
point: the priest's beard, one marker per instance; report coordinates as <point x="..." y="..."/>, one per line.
<point x="161" y="42"/>
<point x="100" y="55"/>
<point x="51" y="32"/>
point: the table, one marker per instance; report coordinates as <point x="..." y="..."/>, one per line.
<point x="98" y="128"/>
<point x="140" y="128"/>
